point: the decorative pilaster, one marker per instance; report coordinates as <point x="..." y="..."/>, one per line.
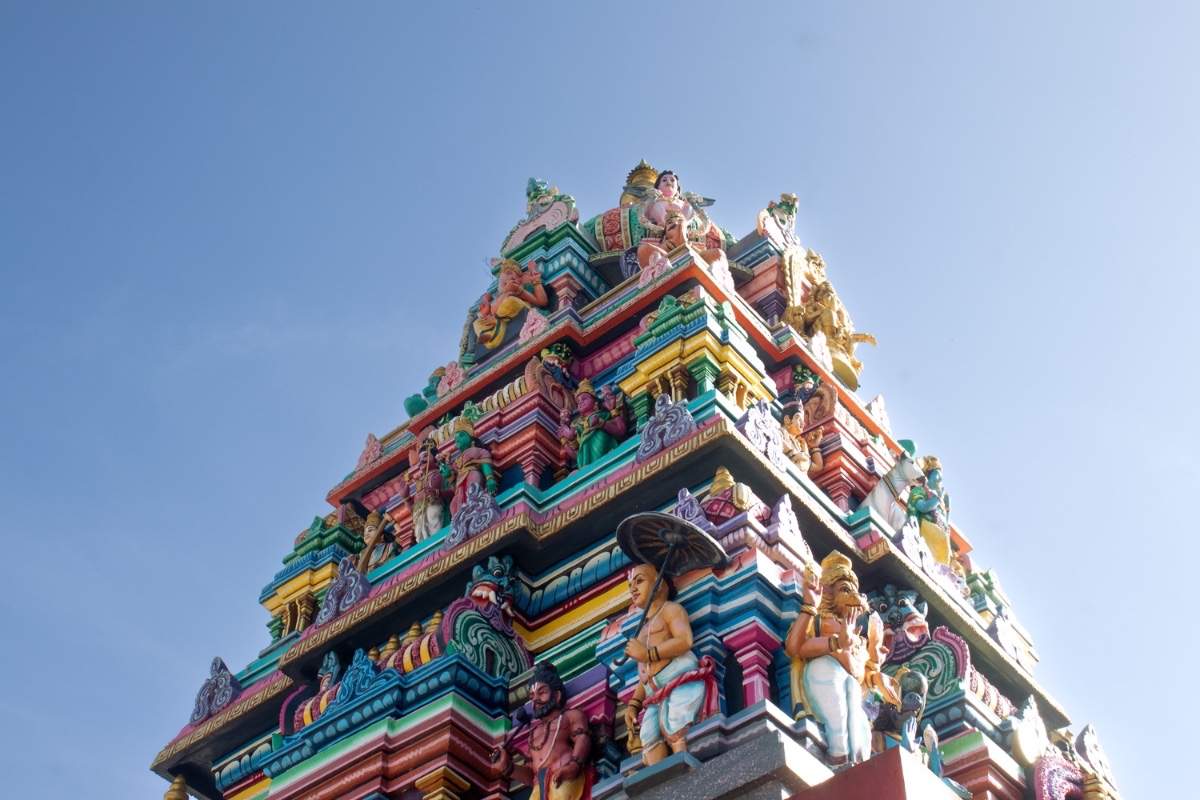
<point x="754" y="648"/>
<point x="442" y="784"/>
<point x="704" y="372"/>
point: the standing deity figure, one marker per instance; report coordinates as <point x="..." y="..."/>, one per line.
<point x="675" y="689"/>
<point x="929" y="506"/>
<point x="471" y="465"/>
<point x="517" y="290"/>
<point x="378" y="545"/>
<point x="560" y="744"/>
<point x="596" y="427"/>
<point x="427" y="491"/>
<point x="837" y="662"/>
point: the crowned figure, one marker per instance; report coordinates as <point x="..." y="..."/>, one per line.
<point x="596" y="427"/>
<point x="517" y="290"/>
<point x="471" y="465"/>
<point x="929" y="506"/>
<point x="837" y="663"/>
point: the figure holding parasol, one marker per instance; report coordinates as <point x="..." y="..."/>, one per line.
<point x="675" y="688"/>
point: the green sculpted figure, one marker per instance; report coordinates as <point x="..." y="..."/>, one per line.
<point x="597" y="426"/>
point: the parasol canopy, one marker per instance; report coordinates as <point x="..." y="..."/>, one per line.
<point x="648" y="538"/>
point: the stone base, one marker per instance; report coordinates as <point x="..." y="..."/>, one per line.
<point x="756" y="754"/>
<point x="894" y="774"/>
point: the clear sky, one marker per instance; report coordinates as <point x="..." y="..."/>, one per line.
<point x="234" y="236"/>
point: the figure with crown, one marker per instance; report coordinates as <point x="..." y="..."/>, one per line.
<point x="596" y="427"/>
<point x="426" y="490"/>
<point x="837" y="663"/>
<point x="471" y="464"/>
<point x="929" y="506"/>
<point x="517" y="290"/>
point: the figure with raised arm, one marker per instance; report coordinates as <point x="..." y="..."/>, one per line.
<point x="838" y="662"/>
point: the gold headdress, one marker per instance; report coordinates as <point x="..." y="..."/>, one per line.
<point x="508" y="265"/>
<point x="585" y="387"/>
<point x="929" y="464"/>
<point x="374" y="518"/>
<point x="464" y="425"/>
<point x="837" y="567"/>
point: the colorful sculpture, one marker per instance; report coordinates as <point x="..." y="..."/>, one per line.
<point x="517" y="291"/>
<point x="426" y="491"/>
<point x="838" y="663"/>
<point x="655" y="255"/>
<point x="470" y="466"/>
<point x="377" y="547"/>
<point x="822" y="312"/>
<point x="889" y="497"/>
<point x="560" y="743"/>
<point x="416" y="403"/>
<point x="903" y="614"/>
<point x="929" y="504"/>
<point x="596" y="426"/>
<point x="675" y="689"/>
<point x="802" y="449"/>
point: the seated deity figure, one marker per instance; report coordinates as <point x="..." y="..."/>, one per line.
<point x="838" y="663"/>
<point x="675" y="689"/>
<point x="427" y="491"/>
<point x="470" y="466"/>
<point x="377" y="547"/>
<point x="517" y="290"/>
<point x="652" y="252"/>
<point x="804" y="450"/>
<point x="594" y="429"/>
<point x="929" y="506"/>
<point x="560" y="743"/>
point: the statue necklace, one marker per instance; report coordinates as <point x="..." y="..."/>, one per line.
<point x="548" y="737"/>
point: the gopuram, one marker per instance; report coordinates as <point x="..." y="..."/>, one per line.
<point x="639" y="538"/>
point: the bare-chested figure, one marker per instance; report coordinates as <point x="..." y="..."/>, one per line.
<point x="839" y="662"/>
<point x="674" y="233"/>
<point x="674" y="687"/>
<point x="560" y="743"/>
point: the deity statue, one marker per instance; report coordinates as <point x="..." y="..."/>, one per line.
<point x="560" y="744"/>
<point x="518" y="289"/>
<point x="822" y="312"/>
<point x="929" y="506"/>
<point x="597" y="425"/>
<point x="651" y="253"/>
<point x="556" y="359"/>
<point x="378" y="546"/>
<point x="675" y="689"/>
<point x="804" y="450"/>
<point x="471" y="465"/>
<point x="427" y="492"/>
<point x="839" y="663"/>
<point x="778" y="220"/>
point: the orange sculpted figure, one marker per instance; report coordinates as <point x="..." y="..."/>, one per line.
<point x="517" y="290"/>
<point x="560" y="742"/>
<point x="675" y="689"/>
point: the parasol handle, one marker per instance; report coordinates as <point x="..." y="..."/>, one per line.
<point x="620" y="660"/>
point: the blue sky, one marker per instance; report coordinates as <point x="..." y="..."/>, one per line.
<point x="234" y="237"/>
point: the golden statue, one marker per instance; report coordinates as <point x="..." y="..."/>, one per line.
<point x="822" y="311"/>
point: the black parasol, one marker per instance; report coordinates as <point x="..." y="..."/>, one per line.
<point x="673" y="545"/>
